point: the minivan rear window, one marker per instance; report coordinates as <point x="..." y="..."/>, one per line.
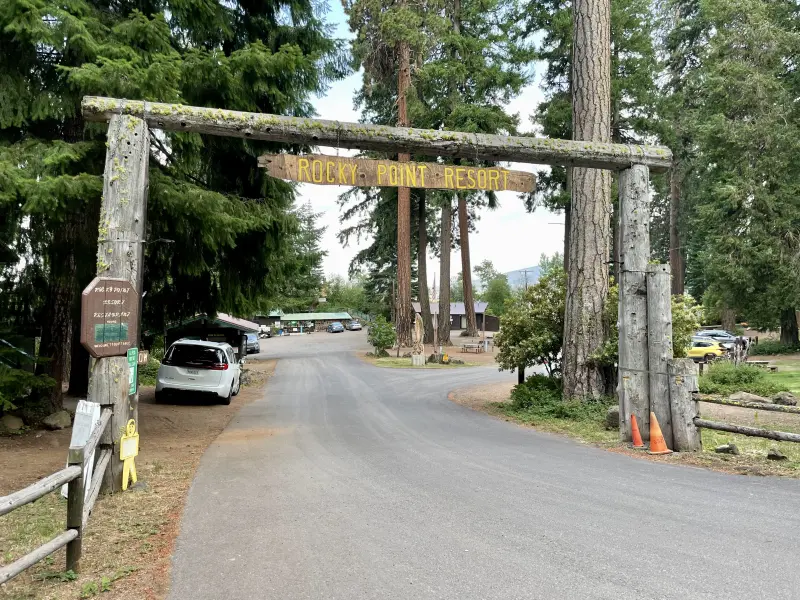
<point x="185" y="355"/>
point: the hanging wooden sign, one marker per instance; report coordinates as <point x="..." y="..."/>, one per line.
<point x="109" y="317"/>
<point x="363" y="172"/>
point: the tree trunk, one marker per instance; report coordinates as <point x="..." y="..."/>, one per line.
<point x="422" y="269"/>
<point x="567" y="225"/>
<point x="404" y="308"/>
<point x="675" y="253"/>
<point x="789" y="334"/>
<point x="57" y="332"/>
<point x="444" y="274"/>
<point x="466" y="267"/>
<point x="729" y="319"/>
<point x="86" y="251"/>
<point x="587" y="287"/>
<point x="521" y="375"/>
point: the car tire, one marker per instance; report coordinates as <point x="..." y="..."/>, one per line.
<point x="227" y="401"/>
<point x="238" y="387"/>
<point x="159" y="397"/>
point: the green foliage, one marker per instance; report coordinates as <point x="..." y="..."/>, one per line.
<point x="149" y="371"/>
<point x="381" y="335"/>
<point x="540" y="398"/>
<point x="532" y="329"/>
<point x="767" y="347"/>
<point x="348" y="295"/>
<point x="497" y="292"/>
<point x="548" y="263"/>
<point x="725" y="378"/>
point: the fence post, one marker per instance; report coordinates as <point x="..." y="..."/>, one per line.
<point x="659" y="341"/>
<point x="633" y="387"/>
<point x="75" y="497"/>
<point x="682" y="387"/>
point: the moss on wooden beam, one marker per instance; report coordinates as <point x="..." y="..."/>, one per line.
<point x="381" y="138"/>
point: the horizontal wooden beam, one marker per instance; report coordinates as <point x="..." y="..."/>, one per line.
<point x="380" y="138"/>
<point x="754" y="405"/>
<point x="37" y="490"/>
<point x="781" y="436"/>
<point x="26" y="562"/>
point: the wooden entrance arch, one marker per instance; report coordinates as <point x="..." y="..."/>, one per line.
<point x="124" y="207"/>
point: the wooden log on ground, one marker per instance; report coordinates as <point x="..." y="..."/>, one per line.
<point x="754" y="405"/>
<point x="683" y="406"/>
<point x="634" y="386"/>
<point x="121" y="238"/>
<point x="392" y="140"/>
<point x="37" y="490"/>
<point x="780" y="436"/>
<point x="659" y="342"/>
<point x="18" y="566"/>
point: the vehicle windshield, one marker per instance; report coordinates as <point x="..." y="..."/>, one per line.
<point x="185" y="355"/>
<point x="252" y="337"/>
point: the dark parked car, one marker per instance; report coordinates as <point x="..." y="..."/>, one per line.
<point x="335" y="327"/>
<point x="253" y="345"/>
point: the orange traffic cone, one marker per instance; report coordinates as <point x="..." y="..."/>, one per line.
<point x="657" y="443"/>
<point x="637" y="437"/>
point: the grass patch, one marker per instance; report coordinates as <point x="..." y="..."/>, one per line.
<point x="725" y="378"/>
<point x="538" y="402"/>
<point x="405" y="363"/>
<point x="754" y="450"/>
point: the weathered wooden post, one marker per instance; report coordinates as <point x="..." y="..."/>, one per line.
<point x="75" y="496"/>
<point x="119" y="255"/>
<point x="682" y="387"/>
<point x="633" y="388"/>
<point x="659" y="341"/>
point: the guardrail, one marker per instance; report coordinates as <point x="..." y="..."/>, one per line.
<point x="80" y="502"/>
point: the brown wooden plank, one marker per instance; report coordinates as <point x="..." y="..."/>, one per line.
<point x="37" y="490"/>
<point x="18" y="566"/>
<point x="363" y="172"/>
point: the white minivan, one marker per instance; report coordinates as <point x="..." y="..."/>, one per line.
<point x="199" y="367"/>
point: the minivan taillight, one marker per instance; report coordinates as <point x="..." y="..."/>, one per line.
<point x="219" y="367"/>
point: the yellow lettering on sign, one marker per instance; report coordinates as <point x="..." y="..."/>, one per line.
<point x="411" y="176"/>
<point x="353" y="172"/>
<point x="494" y="179"/>
<point x="505" y="180"/>
<point x="314" y="165"/>
<point x="381" y="172"/>
<point x="328" y="175"/>
<point x="302" y="165"/>
<point x="459" y="175"/>
<point x="471" y="178"/>
<point x="392" y="174"/>
<point x="481" y="179"/>
<point x="422" y="175"/>
<point x="448" y="177"/>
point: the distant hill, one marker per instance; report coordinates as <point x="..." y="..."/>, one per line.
<point x="516" y="279"/>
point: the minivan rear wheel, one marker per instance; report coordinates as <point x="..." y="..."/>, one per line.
<point x="227" y="400"/>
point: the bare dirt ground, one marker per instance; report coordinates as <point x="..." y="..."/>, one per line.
<point x="137" y="528"/>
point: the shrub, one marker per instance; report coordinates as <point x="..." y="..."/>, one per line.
<point x="381" y="335"/>
<point x="772" y="347"/>
<point x="149" y="371"/>
<point x="725" y="378"/>
<point x="541" y="397"/>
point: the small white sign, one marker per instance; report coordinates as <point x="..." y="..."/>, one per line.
<point x="87" y="415"/>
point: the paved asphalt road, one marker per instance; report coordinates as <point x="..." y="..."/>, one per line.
<point x="349" y="481"/>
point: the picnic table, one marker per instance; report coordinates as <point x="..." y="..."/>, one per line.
<point x="764" y="364"/>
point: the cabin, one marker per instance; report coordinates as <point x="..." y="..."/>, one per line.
<point x="458" y="316"/>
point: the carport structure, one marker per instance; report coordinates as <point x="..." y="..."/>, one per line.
<point x="219" y="328"/>
<point x="124" y="208"/>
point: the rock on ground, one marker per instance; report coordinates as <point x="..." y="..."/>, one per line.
<point x="785" y="398"/>
<point x="612" y="417"/>
<point x="58" y="420"/>
<point x="12" y="423"/>
<point x="747" y="397"/>
<point x="775" y="454"/>
<point x="727" y="449"/>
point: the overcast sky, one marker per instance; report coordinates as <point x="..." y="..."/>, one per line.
<point x="509" y="236"/>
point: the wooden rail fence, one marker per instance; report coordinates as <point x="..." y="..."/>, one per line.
<point x="80" y="501"/>
<point x="781" y="436"/>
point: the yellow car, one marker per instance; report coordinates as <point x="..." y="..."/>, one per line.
<point x="705" y="349"/>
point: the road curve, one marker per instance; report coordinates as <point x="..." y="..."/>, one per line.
<point x="348" y="481"/>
